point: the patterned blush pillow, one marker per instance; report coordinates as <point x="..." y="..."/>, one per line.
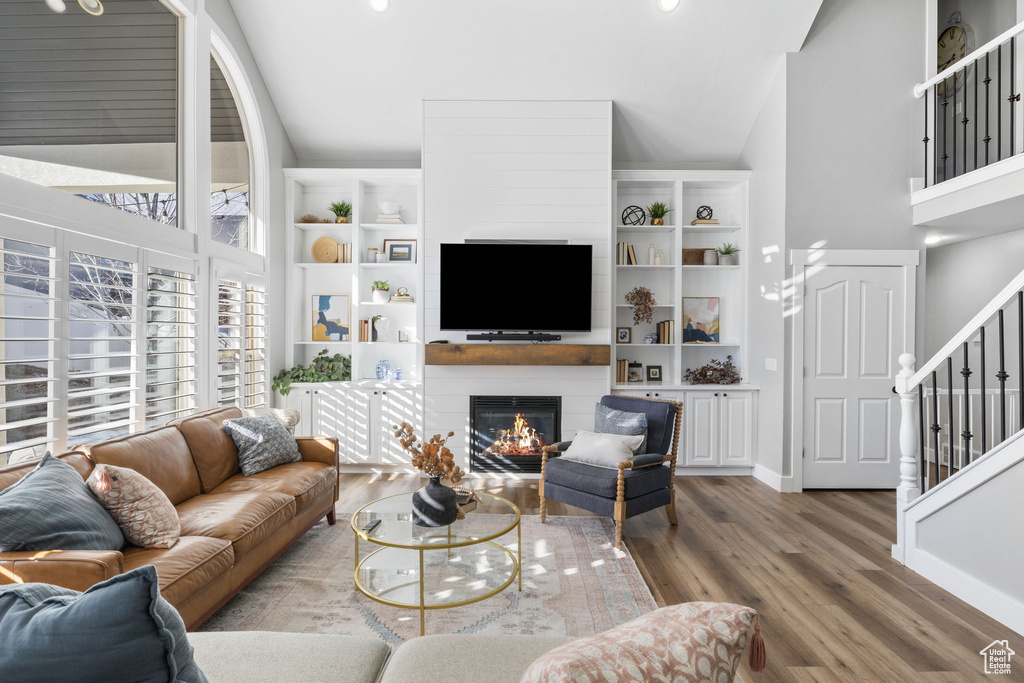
<point x="51" y="508"/>
<point x="611" y="421"/>
<point x="693" y="642"/>
<point x="142" y="511"/>
<point x="262" y="443"/>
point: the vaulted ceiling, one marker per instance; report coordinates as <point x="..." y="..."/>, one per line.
<point x="687" y="84"/>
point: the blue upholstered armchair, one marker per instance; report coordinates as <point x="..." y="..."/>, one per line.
<point x="639" y="485"/>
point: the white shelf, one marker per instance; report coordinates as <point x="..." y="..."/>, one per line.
<point x="391" y="343"/>
<point x="711" y="228"/>
<point x="641" y="344"/>
<point x="645" y="228"/>
<point x="321" y="266"/>
<point x="387" y="265"/>
<point x="685" y="387"/>
<point x="647" y="267"/>
<point x="390" y="226"/>
<point x="655" y="306"/>
<point x="688" y="345"/>
<point x="711" y="267"/>
<point x="323" y="226"/>
<point x="388" y="303"/>
<point x="324" y="343"/>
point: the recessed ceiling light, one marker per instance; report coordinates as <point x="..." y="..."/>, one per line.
<point x="93" y="7"/>
<point x="668" y="5"/>
<point x="57" y="6"/>
<point x="380" y="5"/>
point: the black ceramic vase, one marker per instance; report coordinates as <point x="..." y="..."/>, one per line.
<point x="434" y="504"/>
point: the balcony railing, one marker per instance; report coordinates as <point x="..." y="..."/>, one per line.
<point x="971" y="112"/>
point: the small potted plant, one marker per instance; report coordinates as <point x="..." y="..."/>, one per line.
<point x="658" y="211"/>
<point x="727" y="255"/>
<point x="642" y="301"/>
<point x="341" y="211"/>
<point x="381" y="291"/>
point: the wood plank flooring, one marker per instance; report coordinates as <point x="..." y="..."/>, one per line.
<point x="834" y="605"/>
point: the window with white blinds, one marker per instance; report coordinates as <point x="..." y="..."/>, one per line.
<point x="170" y="345"/>
<point x="229" y="342"/>
<point x="255" y="346"/>
<point x="27" y="350"/>
<point x="103" y="372"/>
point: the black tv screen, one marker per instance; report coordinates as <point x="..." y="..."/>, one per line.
<point x="516" y="287"/>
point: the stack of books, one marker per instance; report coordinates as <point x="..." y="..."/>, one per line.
<point x="395" y="299"/>
<point x="345" y="253"/>
<point x="621" y="371"/>
<point x="667" y="332"/>
<point x="465" y="499"/>
<point x="390" y="218"/>
<point x="702" y="221"/>
<point x="625" y="255"/>
<point x="365" y="334"/>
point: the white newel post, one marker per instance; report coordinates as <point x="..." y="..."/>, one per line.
<point x="909" y="487"/>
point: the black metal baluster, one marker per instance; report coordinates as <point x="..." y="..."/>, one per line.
<point x="945" y="133"/>
<point x="965" y="432"/>
<point x="936" y="427"/>
<point x="952" y="127"/>
<point x="974" y="138"/>
<point x="999" y="109"/>
<point x="965" y="120"/>
<point x="920" y="420"/>
<point x="984" y="397"/>
<point x="927" y="95"/>
<point x="1002" y="376"/>
<point x="949" y="432"/>
<point x="988" y="79"/>
<point x="1013" y="96"/>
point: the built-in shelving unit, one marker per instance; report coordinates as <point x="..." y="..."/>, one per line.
<point x="311" y="191"/>
<point x="727" y="192"/>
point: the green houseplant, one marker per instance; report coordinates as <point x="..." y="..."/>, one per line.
<point x="658" y="211"/>
<point x="341" y="211"/>
<point x="381" y="291"/>
<point x="323" y="368"/>
<point x="727" y="255"/>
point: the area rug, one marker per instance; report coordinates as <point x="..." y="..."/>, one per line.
<point x="574" y="584"/>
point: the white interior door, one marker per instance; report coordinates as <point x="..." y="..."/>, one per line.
<point x="853" y="332"/>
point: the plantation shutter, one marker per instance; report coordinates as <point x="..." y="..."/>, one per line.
<point x="170" y="345"/>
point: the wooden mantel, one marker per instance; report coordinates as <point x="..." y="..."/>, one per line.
<point x="519" y="354"/>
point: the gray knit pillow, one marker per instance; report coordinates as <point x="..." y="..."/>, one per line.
<point x="51" y="508"/>
<point x="262" y="443"/>
<point x="611" y="421"/>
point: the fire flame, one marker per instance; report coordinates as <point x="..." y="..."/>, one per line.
<point x="522" y="439"/>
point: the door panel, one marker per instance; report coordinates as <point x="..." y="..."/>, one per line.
<point x="852" y="327"/>
<point x="701" y="429"/>
<point x="360" y="426"/>
<point x="398" y="406"/>
<point x="737" y="430"/>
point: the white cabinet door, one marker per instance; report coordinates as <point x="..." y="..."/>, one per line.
<point x="736" y="412"/>
<point x="701" y="429"/>
<point x="302" y="401"/>
<point x="398" y="406"/>
<point x="361" y="426"/>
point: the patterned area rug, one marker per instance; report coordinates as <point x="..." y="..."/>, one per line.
<point x="574" y="584"/>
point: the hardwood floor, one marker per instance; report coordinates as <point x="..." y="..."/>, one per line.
<point x="834" y="605"/>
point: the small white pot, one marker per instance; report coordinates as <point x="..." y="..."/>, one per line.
<point x="381" y="296"/>
<point x="728" y="259"/>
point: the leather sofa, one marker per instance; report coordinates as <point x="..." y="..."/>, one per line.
<point x="232" y="527"/>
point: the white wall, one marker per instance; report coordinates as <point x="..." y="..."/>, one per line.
<point x="765" y="153"/>
<point x="523" y="170"/>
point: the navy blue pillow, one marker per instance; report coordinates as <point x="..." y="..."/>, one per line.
<point x="118" y="630"/>
<point x="51" y="508"/>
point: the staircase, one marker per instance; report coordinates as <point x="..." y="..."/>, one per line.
<point x="959" y="508"/>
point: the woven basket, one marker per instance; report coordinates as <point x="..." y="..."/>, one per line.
<point x="325" y="250"/>
<point x="694" y="257"/>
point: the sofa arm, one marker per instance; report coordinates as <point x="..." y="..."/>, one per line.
<point x="74" y="569"/>
<point x="319" y="449"/>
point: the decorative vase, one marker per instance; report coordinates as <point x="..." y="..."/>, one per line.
<point x="727" y="259"/>
<point x="711" y="257"/>
<point x="381" y="327"/>
<point x="434" y="505"/>
<point x="341" y="219"/>
<point x="383" y="368"/>
<point x="657" y="221"/>
<point x="381" y="296"/>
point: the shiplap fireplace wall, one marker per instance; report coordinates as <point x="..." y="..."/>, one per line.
<point x="516" y="170"/>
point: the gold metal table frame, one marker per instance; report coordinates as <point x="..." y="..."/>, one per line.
<point x="441" y="540"/>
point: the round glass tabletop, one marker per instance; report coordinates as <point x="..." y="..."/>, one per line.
<point x="493" y="517"/>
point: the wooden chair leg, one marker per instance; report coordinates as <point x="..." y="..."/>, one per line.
<point x="332" y="517"/>
<point x="540" y="488"/>
<point x="543" y="509"/>
<point x="618" y="534"/>
<point x="619" y="513"/>
<point x="670" y="509"/>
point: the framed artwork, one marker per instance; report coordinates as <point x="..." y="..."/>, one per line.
<point x="700" y="320"/>
<point x="331" y="317"/>
<point x="653" y="373"/>
<point x="400" y="251"/>
<point x="624" y="335"/>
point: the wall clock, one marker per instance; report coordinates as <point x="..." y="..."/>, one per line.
<point x="955" y="42"/>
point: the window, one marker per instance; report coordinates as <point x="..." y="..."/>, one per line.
<point x="27" y="377"/>
<point x="91" y="103"/>
<point x="170" y="346"/>
<point x="102" y="367"/>
<point x="229" y="342"/>
<point x="255" y="347"/>
<point x="229" y="194"/>
<point x="241" y="343"/>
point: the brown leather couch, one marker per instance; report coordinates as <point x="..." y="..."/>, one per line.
<point x="232" y="527"/>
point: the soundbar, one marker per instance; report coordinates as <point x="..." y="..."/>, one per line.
<point x="512" y="336"/>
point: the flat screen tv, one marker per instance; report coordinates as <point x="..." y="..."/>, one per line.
<point x="516" y="287"/>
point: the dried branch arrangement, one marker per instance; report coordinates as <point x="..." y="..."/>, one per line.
<point x="432" y="458"/>
<point x="642" y="301"/>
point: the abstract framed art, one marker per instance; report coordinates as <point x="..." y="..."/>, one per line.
<point x="700" y="320"/>
<point x="331" y="314"/>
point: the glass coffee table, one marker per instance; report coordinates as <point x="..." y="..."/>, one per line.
<point x="425" y="568"/>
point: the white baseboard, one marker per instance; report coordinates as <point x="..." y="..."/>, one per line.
<point x="776" y="481"/>
<point x="713" y="471"/>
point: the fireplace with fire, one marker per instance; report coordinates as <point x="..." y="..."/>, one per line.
<point x="508" y="432"/>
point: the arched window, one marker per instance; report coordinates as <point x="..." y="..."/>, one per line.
<point x="231" y="164"/>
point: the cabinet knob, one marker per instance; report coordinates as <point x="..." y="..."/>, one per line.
<point x="317" y="391"/>
<point x="716" y="393"/>
<point x="724" y="395"/>
<point x="657" y="394"/>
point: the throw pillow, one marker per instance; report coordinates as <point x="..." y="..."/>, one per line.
<point x="142" y="511"/>
<point x="262" y="443"/>
<point x="692" y="642"/>
<point x="602" y="450"/>
<point x="51" y="508"/>
<point x="289" y="417"/>
<point x="118" y="630"/>
<point x="611" y="421"/>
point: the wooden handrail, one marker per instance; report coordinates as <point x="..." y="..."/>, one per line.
<point x="921" y="88"/>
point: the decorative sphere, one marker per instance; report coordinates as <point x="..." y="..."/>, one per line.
<point x="705" y="213"/>
<point x="633" y="215"/>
